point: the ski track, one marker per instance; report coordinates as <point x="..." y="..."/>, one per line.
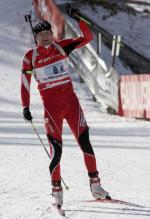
<point x="122" y="146"/>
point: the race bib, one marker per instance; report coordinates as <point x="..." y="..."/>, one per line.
<point x="52" y="72"/>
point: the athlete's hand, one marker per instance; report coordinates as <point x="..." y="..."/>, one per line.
<point x="27" y="114"/>
<point x="73" y="12"/>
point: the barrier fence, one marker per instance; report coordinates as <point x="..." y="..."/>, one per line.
<point x="135" y="96"/>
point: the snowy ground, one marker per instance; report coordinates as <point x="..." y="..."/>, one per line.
<point x="122" y="146"/>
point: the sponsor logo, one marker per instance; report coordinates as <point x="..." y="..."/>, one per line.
<point x="48" y="59"/>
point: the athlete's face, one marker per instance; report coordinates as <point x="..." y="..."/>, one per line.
<point x="44" y="37"/>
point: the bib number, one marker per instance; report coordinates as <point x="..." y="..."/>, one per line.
<point x="47" y="73"/>
<point x="58" y="68"/>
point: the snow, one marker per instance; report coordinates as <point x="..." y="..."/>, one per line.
<point x="140" y="7"/>
<point x="121" y="145"/>
<point x="134" y="31"/>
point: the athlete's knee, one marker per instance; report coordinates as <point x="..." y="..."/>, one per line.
<point x="84" y="142"/>
<point x="57" y="151"/>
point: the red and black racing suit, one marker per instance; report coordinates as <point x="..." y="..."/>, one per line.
<point x="50" y="68"/>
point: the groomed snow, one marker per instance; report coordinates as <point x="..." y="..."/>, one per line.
<point x="121" y="145"/>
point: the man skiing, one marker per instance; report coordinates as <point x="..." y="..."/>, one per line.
<point x="48" y="62"/>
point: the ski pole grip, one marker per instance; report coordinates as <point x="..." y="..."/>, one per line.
<point x="27" y="17"/>
<point x="73" y="12"/>
<point x="68" y="7"/>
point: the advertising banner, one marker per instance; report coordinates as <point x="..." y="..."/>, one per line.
<point x="135" y="96"/>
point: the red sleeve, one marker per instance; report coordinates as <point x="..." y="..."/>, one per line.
<point x="27" y="61"/>
<point x="70" y="44"/>
<point x="26" y="78"/>
<point x="87" y="34"/>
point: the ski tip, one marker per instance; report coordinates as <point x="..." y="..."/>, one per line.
<point x="108" y="197"/>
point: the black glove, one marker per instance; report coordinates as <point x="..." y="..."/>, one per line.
<point x="73" y="12"/>
<point x="27" y="114"/>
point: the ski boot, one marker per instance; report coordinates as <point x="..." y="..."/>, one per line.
<point x="97" y="191"/>
<point x="57" y="194"/>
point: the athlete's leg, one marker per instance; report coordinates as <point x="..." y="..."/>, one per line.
<point x="77" y="123"/>
<point x="53" y="125"/>
<point x="76" y="120"/>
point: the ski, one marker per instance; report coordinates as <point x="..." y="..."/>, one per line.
<point x="115" y="201"/>
<point x="58" y="209"/>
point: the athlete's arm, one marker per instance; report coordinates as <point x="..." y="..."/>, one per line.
<point x="26" y="79"/>
<point x="70" y="44"/>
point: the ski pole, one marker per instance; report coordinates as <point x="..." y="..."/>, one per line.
<point x="29" y="19"/>
<point x="75" y="13"/>
<point x="40" y="138"/>
<point x="34" y="128"/>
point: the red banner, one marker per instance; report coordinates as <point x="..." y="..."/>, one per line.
<point x="47" y="10"/>
<point x="135" y="96"/>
